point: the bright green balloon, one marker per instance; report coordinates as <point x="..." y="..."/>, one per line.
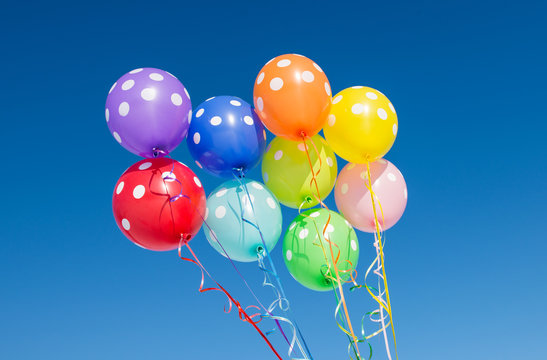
<point x="304" y="256"/>
<point x="286" y="171"/>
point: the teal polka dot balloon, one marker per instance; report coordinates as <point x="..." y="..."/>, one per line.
<point x="228" y="206"/>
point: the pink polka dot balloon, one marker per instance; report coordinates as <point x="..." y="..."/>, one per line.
<point x="353" y="197"/>
<point x="148" y="111"/>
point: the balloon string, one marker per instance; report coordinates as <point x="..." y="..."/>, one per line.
<point x="242" y="313"/>
<point x="334" y="261"/>
<point x="381" y="253"/>
<point x="280" y="293"/>
<point x="184" y="241"/>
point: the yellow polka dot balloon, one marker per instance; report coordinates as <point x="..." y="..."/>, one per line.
<point x="362" y="124"/>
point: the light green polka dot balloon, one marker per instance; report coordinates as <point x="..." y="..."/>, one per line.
<point x="304" y="256"/>
<point x="286" y="171"/>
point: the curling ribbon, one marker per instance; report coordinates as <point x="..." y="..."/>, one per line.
<point x="334" y="261"/>
<point x="231" y="300"/>
<point x="281" y="298"/>
<point x="381" y="253"/>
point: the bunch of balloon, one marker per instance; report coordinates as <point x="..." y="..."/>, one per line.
<point x="371" y="192"/>
<point x="159" y="203"/>
<point x="243" y="217"/>
<point x="292" y="97"/>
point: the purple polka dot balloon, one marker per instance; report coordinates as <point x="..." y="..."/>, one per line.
<point x="148" y="111"/>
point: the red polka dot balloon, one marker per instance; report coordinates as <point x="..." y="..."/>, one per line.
<point x="143" y="206"/>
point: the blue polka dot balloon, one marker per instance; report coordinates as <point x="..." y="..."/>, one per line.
<point x="227" y="208"/>
<point x="226" y="136"/>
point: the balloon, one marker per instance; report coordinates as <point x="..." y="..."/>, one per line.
<point x="362" y="124"/>
<point x="353" y="198"/>
<point x="148" y="112"/>
<point x="226" y="134"/>
<point x="286" y="171"/>
<point x="143" y="206"/>
<point x="228" y="206"/>
<point x="292" y="96"/>
<point x="304" y="255"/>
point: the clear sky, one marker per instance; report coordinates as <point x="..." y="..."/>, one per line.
<point x="466" y="263"/>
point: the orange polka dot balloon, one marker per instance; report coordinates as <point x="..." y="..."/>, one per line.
<point x="292" y="96"/>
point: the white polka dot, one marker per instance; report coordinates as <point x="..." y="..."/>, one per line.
<point x="216" y="120"/>
<point x="123" y="109"/>
<point x="371" y="95"/>
<point x="406" y="194"/>
<point x="327" y="89"/>
<point x="235" y="102"/>
<point x="363" y="175"/>
<point x="197" y="138"/>
<point x="303" y="233"/>
<point x="357" y="109"/>
<point x="382" y="114"/>
<point x="126" y="225"/>
<point x="176" y="99"/>
<point x="199" y="165"/>
<point x="148" y="94"/>
<point x="283" y="63"/>
<point x="317" y="67"/>
<point x="289" y="255"/>
<point x="353" y="245"/>
<point x="308" y="77"/>
<point x="391" y="177"/>
<point x="271" y="202"/>
<point x="199" y="112"/>
<point x="391" y="108"/>
<point x="394" y="129"/>
<point x="206" y="213"/>
<point x="168" y="176"/>
<point x="221" y="192"/>
<point x="337" y="99"/>
<point x="117" y="137"/>
<point x="220" y="212"/>
<point x="145" y="165"/>
<point x="330" y="228"/>
<point x="265" y="177"/>
<point x="301" y="147"/>
<point x="196" y="180"/>
<point x="330" y="163"/>
<point x="156" y="76"/>
<point x="260" y="103"/>
<point x="138" y="191"/>
<point x="315" y="214"/>
<point x="107" y="115"/>
<point x="248" y="120"/>
<point x="344" y="188"/>
<point x="119" y="188"/>
<point x="135" y="71"/>
<point x="332" y="120"/>
<point x="187" y="94"/>
<point x="276" y="84"/>
<point x="257" y="186"/>
<point x="128" y="84"/>
<point x="278" y="154"/>
<point x="112" y="88"/>
<point x="260" y="78"/>
<point x="211" y="98"/>
<point x="292" y="226"/>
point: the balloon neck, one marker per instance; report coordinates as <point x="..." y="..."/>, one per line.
<point x="303" y="134"/>
<point x="239" y="172"/>
<point x="184" y="238"/>
<point x="260" y="250"/>
<point x="308" y="199"/>
<point x="157" y="152"/>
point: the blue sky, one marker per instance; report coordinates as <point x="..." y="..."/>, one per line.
<point x="466" y="263"/>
